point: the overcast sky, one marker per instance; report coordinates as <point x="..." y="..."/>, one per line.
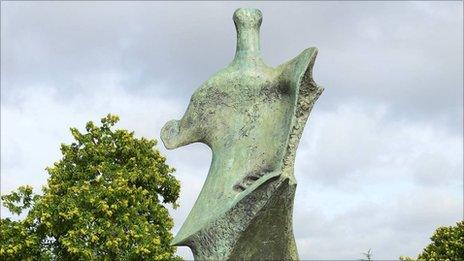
<point x="380" y="162"/>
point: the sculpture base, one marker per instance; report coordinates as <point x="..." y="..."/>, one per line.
<point x="269" y="235"/>
<point x="258" y="228"/>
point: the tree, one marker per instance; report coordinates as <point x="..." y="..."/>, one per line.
<point x="368" y="255"/>
<point x="447" y="244"/>
<point x="105" y="199"/>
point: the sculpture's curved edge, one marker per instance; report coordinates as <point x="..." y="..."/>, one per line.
<point x="298" y="72"/>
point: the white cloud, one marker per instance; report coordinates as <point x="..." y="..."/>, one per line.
<point x="39" y="120"/>
<point x="365" y="180"/>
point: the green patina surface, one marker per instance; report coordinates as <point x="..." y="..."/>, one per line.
<point x="252" y="117"/>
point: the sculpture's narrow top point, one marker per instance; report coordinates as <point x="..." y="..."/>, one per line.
<point x="247" y="17"/>
<point x="247" y="22"/>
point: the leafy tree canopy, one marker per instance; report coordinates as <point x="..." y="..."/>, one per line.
<point x="447" y="244"/>
<point x="105" y="199"/>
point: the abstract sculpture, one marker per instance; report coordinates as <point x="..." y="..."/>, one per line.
<point x="252" y="117"/>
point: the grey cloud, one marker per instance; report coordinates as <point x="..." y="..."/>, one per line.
<point x="356" y="141"/>
<point x="405" y="223"/>
<point x="37" y="123"/>
<point x="407" y="55"/>
<point x="434" y="169"/>
<point x="365" y="180"/>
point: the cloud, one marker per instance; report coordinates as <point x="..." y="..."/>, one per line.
<point x="404" y="54"/>
<point x="37" y="122"/>
<point x="357" y="141"/>
<point x="406" y="222"/>
<point x="365" y="180"/>
<point x="34" y="126"/>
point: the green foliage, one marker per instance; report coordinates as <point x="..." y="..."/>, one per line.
<point x="19" y="241"/>
<point x="23" y="195"/>
<point x="447" y="244"/>
<point x="104" y="200"/>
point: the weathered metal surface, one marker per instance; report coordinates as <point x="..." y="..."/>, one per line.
<point x="252" y="117"/>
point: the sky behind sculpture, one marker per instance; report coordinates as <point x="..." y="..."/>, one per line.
<point x="379" y="164"/>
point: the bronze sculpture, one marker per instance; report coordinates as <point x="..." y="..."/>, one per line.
<point x="252" y="117"/>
